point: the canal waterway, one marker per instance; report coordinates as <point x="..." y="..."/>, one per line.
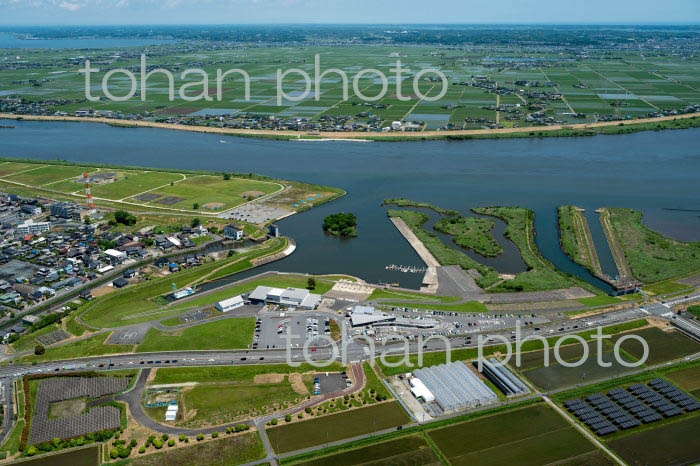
<point x="656" y="172"/>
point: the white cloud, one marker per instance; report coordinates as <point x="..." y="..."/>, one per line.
<point x="70" y="6"/>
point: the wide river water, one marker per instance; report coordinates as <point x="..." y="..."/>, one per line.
<point x="656" y="172"/>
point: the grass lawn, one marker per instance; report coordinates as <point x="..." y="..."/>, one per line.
<point x="694" y="310"/>
<point x="473" y="233"/>
<point x="50" y="174"/>
<point x="600" y="300"/>
<point x="373" y="382"/>
<point x="205" y="189"/>
<point x="134" y="184"/>
<point x="9" y="168"/>
<point x="228" y="393"/>
<point x="534" y="436"/>
<point x="334" y="427"/>
<point x="652" y="256"/>
<point x="227" y="451"/>
<point x="666" y="287"/>
<point x="93" y="346"/>
<point x="222" y="334"/>
<point x="28" y="342"/>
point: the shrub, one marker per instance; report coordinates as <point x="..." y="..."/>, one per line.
<point x="171" y="442"/>
<point x="39" y="349"/>
<point x="183" y="437"/>
<point x="214" y="434"/>
<point x="200" y="437"/>
<point x="142" y="450"/>
<point x="164" y="437"/>
<point x="133" y="443"/>
<point x="288" y="418"/>
<point x="300" y="415"/>
<point x="274" y="422"/>
<point x="31" y="451"/>
<point x="158" y="444"/>
<point x="308" y="410"/>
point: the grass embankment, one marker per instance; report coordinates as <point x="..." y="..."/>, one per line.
<point x="11" y="445"/>
<point x="575" y="238"/>
<point x="467" y="306"/>
<point x="136" y="304"/>
<point x="473" y="233"/>
<point x="93" y="346"/>
<point x="388" y="293"/>
<point x="652" y="256"/>
<point x="541" y="274"/>
<point x="223" y="334"/>
<point x="468" y="354"/>
<point x="403" y="202"/>
<point x="443" y="253"/>
<point x="228" y="393"/>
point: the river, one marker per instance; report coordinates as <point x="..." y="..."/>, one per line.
<point x="656" y="172"/>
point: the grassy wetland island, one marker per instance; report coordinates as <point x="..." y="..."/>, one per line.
<point x="179" y="279"/>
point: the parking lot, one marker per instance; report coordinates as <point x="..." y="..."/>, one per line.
<point x="271" y="329"/>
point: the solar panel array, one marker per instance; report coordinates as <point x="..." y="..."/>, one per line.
<point x="625" y="408"/>
<point x="44" y="428"/>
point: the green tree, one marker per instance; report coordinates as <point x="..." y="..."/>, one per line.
<point x="125" y="218"/>
<point x="227" y="176"/>
<point x="195" y="206"/>
<point x="39" y="349"/>
<point x="311" y="283"/>
<point x="200" y="437"/>
<point x="195" y="223"/>
<point x="341" y="224"/>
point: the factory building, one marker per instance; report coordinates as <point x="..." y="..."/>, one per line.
<point x="296" y="297"/>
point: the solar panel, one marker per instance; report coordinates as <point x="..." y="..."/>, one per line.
<point x="606" y="430"/>
<point x="605" y="406"/>
<point x="647" y="395"/>
<point x="672" y="412"/>
<point x="587" y="416"/>
<point x="655" y="399"/>
<point x="593" y="421"/>
<point x="630" y="405"/>
<point x="595" y="396"/>
<point x="572" y="402"/>
<point x="685" y="402"/>
<point x="693" y="407"/>
<point x="651" y="418"/>
<point x="658" y="381"/>
<point x="665" y="389"/>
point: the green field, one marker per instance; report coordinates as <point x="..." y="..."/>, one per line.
<point x="45" y="175"/>
<point x="534" y="436"/>
<point x="670" y="444"/>
<point x="223" y="451"/>
<point x="228" y="393"/>
<point x="473" y="233"/>
<point x="222" y="334"/>
<point x="652" y="256"/>
<point x="331" y="428"/>
<point x="663" y="346"/>
<point x="92" y="346"/>
<point x="410" y="450"/>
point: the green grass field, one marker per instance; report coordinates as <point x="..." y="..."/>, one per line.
<point x="222" y="334"/>
<point x="228" y="393"/>
<point x="93" y="346"/>
<point x="331" y="428"/>
<point x="467" y="306"/>
<point x="652" y="256"/>
<point x="46" y="175"/>
<point x="534" y="436"/>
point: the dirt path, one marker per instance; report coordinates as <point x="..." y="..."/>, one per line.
<point x="348" y="134"/>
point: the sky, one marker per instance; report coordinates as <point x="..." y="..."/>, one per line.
<point x="92" y="12"/>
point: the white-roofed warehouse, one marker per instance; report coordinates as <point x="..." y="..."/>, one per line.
<point x="230" y="304"/>
<point x="455" y="387"/>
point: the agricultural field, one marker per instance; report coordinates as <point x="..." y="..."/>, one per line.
<point x="663" y="346"/>
<point x="627" y="84"/>
<point x="688" y="379"/>
<point x="410" y="450"/>
<point x="534" y="436"/>
<point x="652" y="256"/>
<point x="331" y="428"/>
<point x="678" y="440"/>
<point x="229" y="451"/>
<point x="223" y="334"/>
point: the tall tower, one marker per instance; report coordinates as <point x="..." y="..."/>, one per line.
<point x="90" y="203"/>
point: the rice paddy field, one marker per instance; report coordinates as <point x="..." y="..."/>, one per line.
<point x="534" y="435"/>
<point x="331" y="428"/>
<point x="626" y="83"/>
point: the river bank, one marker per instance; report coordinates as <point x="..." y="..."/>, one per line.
<point x="575" y="130"/>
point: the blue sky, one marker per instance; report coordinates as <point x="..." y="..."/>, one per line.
<point x="75" y="12"/>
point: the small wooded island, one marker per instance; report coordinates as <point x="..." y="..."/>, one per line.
<point x="341" y="224"/>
